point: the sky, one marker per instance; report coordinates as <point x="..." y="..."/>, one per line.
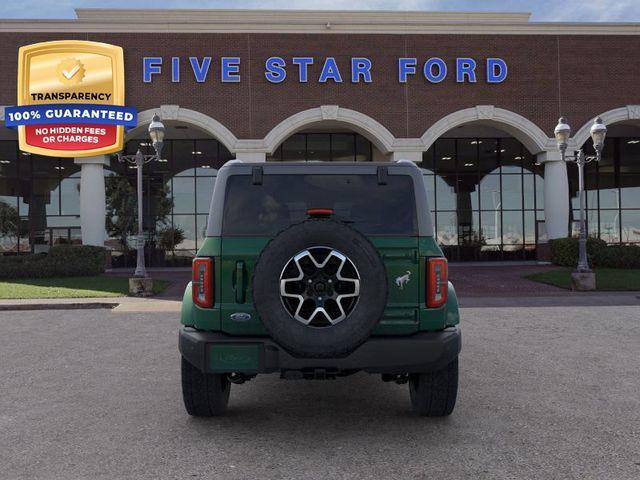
<point x="542" y="10"/>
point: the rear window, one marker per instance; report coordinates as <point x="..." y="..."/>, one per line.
<point x="282" y="200"/>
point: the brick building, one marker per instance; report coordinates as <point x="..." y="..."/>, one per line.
<point x="473" y="98"/>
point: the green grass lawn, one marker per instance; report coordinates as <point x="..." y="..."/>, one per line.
<point x="70" y="287"/>
<point x="607" y="279"/>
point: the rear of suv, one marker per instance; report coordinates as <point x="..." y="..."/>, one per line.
<point x="319" y="270"/>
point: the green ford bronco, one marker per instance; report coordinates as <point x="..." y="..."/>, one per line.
<point x="319" y="270"/>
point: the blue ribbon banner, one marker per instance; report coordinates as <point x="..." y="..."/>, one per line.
<point x="70" y="113"/>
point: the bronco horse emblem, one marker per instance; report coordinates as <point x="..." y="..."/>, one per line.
<point x="402" y="280"/>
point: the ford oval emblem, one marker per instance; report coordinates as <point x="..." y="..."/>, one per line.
<point x="240" y="317"/>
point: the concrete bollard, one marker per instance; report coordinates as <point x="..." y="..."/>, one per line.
<point x="141" y="286"/>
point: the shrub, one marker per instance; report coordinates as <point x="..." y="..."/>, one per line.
<point x="170" y="237"/>
<point x="618" y="256"/>
<point x="61" y="261"/>
<point x="564" y="252"/>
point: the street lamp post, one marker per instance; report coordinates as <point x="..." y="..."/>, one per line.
<point x="156" y="133"/>
<point x="562" y="133"/>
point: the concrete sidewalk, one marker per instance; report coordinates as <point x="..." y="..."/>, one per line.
<point x="477" y="285"/>
<point x="117" y="304"/>
<point x="158" y="304"/>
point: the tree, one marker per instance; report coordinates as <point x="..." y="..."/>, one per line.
<point x="122" y="208"/>
<point x="9" y="221"/>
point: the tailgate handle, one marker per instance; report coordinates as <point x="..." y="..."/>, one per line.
<point x="238" y="282"/>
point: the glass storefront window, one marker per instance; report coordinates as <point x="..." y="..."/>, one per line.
<point x="447" y="228"/>
<point x="445" y="198"/>
<point x="8" y="159"/>
<point x="491" y="225"/>
<point x="630" y="190"/>
<point x="530" y="227"/>
<point x="428" y="159"/>
<point x="44" y="166"/>
<point x="467" y="192"/>
<point x="630" y="222"/>
<point x="183" y="189"/>
<point x="485" y="193"/>
<point x="70" y="196"/>
<point x="467" y="154"/>
<point x="445" y="157"/>
<point x="188" y="225"/>
<point x="429" y="183"/>
<point x="343" y="147"/>
<point x="204" y="192"/>
<point x="364" y="149"/>
<point x="511" y="155"/>
<point x="612" y="190"/>
<point x="337" y="147"/>
<point x="318" y="147"/>
<point x="182" y="158"/>
<point x="629" y="149"/>
<point x="512" y="192"/>
<point x="487" y="158"/>
<point x="609" y="225"/>
<point x="539" y="192"/>
<point x="512" y="229"/>
<point x="529" y="191"/>
<point x="490" y="193"/>
<point x="206" y="152"/>
<point x="294" y="148"/>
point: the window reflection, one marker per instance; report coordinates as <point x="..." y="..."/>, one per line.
<point x="488" y="196"/>
<point x="512" y="192"/>
<point x="612" y="190"/>
<point x="326" y="147"/>
<point x="485" y="193"/>
<point x="447" y="228"/>
<point x="630" y="220"/>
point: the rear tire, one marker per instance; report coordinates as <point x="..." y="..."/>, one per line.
<point x="204" y="394"/>
<point x="433" y="394"/>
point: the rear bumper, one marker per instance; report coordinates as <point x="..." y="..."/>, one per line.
<point x="217" y="352"/>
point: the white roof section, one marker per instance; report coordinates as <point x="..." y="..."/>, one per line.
<point x="310" y="21"/>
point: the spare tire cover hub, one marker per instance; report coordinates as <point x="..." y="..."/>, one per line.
<point x="320" y="288"/>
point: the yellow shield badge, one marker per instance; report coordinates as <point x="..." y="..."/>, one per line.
<point x="71" y="99"/>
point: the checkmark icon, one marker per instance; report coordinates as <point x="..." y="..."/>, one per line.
<point x="71" y="73"/>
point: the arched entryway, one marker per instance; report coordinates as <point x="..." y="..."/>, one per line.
<point x="177" y="191"/>
<point x="612" y="185"/>
<point x="486" y="186"/>
<point x="39" y="199"/>
<point x="329" y="133"/>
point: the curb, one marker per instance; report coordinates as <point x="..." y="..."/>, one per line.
<point x="57" y="306"/>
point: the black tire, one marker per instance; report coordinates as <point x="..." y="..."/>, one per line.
<point x="204" y="394"/>
<point x="308" y="340"/>
<point x="433" y="394"/>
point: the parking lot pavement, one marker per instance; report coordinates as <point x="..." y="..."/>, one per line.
<point x="545" y="393"/>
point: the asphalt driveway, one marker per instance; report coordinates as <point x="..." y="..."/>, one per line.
<point x="548" y="392"/>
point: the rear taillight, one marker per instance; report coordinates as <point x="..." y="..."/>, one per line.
<point x="437" y="282"/>
<point x="202" y="282"/>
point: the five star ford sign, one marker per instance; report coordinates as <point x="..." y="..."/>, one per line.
<point x="71" y="99"/>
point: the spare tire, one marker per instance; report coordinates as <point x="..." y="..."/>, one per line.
<point x="320" y="288"/>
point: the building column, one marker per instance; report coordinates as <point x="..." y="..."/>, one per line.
<point x="93" y="209"/>
<point x="556" y="195"/>
<point x="407" y="155"/>
<point x="253" y="157"/>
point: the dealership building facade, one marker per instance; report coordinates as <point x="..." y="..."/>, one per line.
<point x="472" y="98"/>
